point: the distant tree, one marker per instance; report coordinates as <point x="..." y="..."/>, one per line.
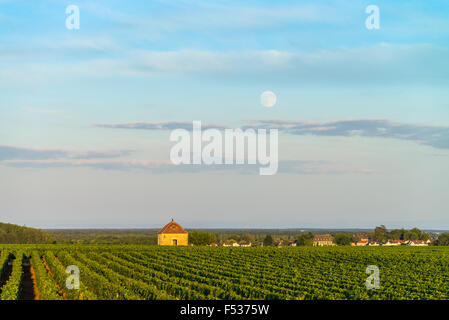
<point x="397" y="234"/>
<point x="247" y="238"/>
<point x="380" y="234"/>
<point x="11" y="233"/>
<point x="268" y="241"/>
<point x="424" y="236"/>
<point x="235" y="237"/>
<point x="199" y="238"/>
<point x="443" y="240"/>
<point x="304" y="239"/>
<point x="413" y="234"/>
<point x="342" y="239"/>
<point x="416" y="234"/>
<point x="355" y="238"/>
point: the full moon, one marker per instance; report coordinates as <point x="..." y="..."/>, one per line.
<point x="268" y="99"/>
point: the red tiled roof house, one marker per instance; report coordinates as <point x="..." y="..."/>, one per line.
<point x="173" y="235"/>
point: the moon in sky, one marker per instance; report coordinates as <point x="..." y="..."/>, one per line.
<point x="268" y="99"/>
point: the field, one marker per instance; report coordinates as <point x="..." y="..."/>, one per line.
<point x="151" y="272"/>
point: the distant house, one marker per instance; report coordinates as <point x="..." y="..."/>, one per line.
<point x="419" y="243"/>
<point x="173" y="235"/>
<point x="394" y="243"/>
<point x="360" y="243"/>
<point x="322" y="240"/>
<point x="230" y="244"/>
<point x="374" y="243"/>
<point x="245" y="244"/>
<point x="362" y="237"/>
<point x="278" y="244"/>
<point x="213" y="244"/>
<point x="293" y="243"/>
<point x="285" y="243"/>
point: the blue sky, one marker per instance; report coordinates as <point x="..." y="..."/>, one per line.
<point x="62" y="92"/>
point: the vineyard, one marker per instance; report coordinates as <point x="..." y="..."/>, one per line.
<point x="38" y="272"/>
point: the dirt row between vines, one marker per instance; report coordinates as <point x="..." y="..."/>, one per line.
<point x="29" y="287"/>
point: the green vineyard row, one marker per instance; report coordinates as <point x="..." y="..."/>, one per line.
<point x="136" y="272"/>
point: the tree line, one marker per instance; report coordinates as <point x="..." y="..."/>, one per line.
<point x="11" y="233"/>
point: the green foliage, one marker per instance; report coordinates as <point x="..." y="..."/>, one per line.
<point x="268" y="241"/>
<point x="343" y="239"/>
<point x="200" y="238"/>
<point x="11" y="233"/>
<point x="4" y="259"/>
<point x="12" y="289"/>
<point x="58" y="271"/>
<point x="416" y="234"/>
<point x="304" y="239"/>
<point x="152" y="272"/>
<point x="381" y="234"/>
<point x="46" y="286"/>
<point x="98" y="278"/>
<point x="443" y="240"/>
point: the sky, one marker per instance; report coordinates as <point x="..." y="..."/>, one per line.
<point x="86" y="114"/>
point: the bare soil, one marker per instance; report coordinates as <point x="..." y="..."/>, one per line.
<point x="28" y="283"/>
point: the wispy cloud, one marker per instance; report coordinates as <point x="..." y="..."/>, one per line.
<point x="21" y="153"/>
<point x="435" y="136"/>
<point x="171" y="125"/>
<point x="382" y="63"/>
<point x="378" y="64"/>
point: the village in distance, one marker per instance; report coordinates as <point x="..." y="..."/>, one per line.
<point x="173" y="234"/>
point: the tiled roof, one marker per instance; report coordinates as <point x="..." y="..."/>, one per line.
<point x="418" y="241"/>
<point x="323" y="237"/>
<point x="172" y="227"/>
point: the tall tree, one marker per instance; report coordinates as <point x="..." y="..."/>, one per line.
<point x="342" y="239"/>
<point x="443" y="240"/>
<point x="380" y="233"/>
<point x="199" y="238"/>
<point x="268" y="241"/>
<point x="305" y="239"/>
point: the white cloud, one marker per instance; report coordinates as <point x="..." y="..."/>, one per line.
<point x="381" y="64"/>
<point x="435" y="136"/>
